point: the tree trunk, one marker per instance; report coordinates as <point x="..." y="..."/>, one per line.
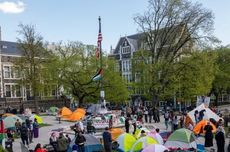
<point x="216" y="98"/>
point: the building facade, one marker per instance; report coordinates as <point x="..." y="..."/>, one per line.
<point x="10" y="87"/>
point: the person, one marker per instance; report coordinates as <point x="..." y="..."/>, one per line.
<point x="30" y="131"/>
<point x="196" y="115"/>
<point x="201" y="114"/>
<point x="80" y="142"/>
<point x="150" y="115"/>
<point x="182" y="121"/>
<point x="24" y="134"/>
<point x="111" y="122"/>
<point x="35" y="128"/>
<point x="190" y="126"/>
<point x="166" y="116"/>
<point x="220" y="139"/>
<point x="62" y="143"/>
<point x="18" y="126"/>
<point x="68" y="138"/>
<point x="143" y="134"/>
<point x="39" y="148"/>
<point x="53" y="141"/>
<point x="107" y="140"/>
<point x="158" y="115"/>
<point x="157" y="130"/>
<point x="9" y="141"/>
<point x="146" y="115"/>
<point x="81" y="126"/>
<point x="175" y="123"/>
<point x="208" y="136"/>
<point x="127" y="125"/>
<point x="134" y="123"/>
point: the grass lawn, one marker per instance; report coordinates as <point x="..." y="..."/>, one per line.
<point x="44" y="125"/>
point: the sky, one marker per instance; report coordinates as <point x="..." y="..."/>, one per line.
<point x="77" y="20"/>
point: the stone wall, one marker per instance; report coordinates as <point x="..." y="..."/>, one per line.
<point x="35" y="105"/>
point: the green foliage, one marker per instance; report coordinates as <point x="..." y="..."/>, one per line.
<point x="73" y="65"/>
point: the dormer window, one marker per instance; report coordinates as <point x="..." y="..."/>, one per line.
<point x="126" y="50"/>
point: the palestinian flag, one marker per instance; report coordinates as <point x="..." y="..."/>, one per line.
<point x="98" y="75"/>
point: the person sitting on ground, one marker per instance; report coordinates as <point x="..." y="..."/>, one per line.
<point x="53" y="141"/>
<point x="158" y="130"/>
<point x="143" y="134"/>
<point x="62" y="143"/>
<point x="38" y="148"/>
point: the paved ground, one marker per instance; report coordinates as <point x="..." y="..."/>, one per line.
<point x="44" y="132"/>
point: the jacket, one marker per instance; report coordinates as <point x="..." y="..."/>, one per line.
<point x="62" y="144"/>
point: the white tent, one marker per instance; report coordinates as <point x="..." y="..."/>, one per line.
<point x="207" y="114"/>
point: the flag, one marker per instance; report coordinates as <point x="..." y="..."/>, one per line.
<point x="99" y="39"/>
<point x="98" y="75"/>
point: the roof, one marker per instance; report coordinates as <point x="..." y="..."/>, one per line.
<point x="133" y="39"/>
<point x="9" y="48"/>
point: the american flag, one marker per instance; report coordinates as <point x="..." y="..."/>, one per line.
<point x="99" y="39"/>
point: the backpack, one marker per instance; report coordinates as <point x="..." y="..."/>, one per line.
<point x="24" y="131"/>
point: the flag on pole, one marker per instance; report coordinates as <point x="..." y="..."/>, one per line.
<point x="98" y="75"/>
<point x="99" y="39"/>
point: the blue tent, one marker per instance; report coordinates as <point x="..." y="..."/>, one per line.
<point x="92" y="144"/>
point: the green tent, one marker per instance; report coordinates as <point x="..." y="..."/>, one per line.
<point x="53" y="109"/>
<point x="9" y="122"/>
<point x="181" y="138"/>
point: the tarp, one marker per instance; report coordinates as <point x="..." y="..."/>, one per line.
<point x="142" y="143"/>
<point x="39" y="119"/>
<point x="207" y="114"/>
<point x="199" y="128"/>
<point x="77" y="115"/>
<point x="154" y="148"/>
<point x="9" y="122"/>
<point x="137" y="133"/>
<point x="91" y="144"/>
<point x="115" y="132"/>
<point x="125" y="142"/>
<point x="65" y="112"/>
<point x="181" y="138"/>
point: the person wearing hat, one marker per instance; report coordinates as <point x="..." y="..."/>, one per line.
<point x="107" y="140"/>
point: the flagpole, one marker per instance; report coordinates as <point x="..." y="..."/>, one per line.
<point x="102" y="94"/>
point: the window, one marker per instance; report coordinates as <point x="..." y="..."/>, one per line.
<point x="7" y="72"/>
<point x="18" y="90"/>
<point x="126" y="50"/>
<point x="8" y="91"/>
<point x="126" y="65"/>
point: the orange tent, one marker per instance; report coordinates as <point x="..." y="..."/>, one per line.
<point x="80" y="110"/>
<point x="199" y="128"/>
<point x="115" y="132"/>
<point x="7" y="114"/>
<point x="76" y="116"/>
<point x="65" y="112"/>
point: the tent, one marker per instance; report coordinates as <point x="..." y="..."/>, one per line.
<point x="115" y="132"/>
<point x="53" y="110"/>
<point x="181" y="138"/>
<point x="156" y="136"/>
<point x="80" y="110"/>
<point x="137" y="133"/>
<point x="142" y="142"/>
<point x="65" y="112"/>
<point x="8" y="114"/>
<point x="91" y="144"/>
<point x="9" y="122"/>
<point x="207" y="114"/>
<point x="77" y="115"/>
<point x="125" y="142"/>
<point x="200" y="126"/>
<point x="154" y="148"/>
<point x="39" y="119"/>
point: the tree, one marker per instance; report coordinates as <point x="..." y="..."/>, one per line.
<point x="74" y="66"/>
<point x="171" y="28"/>
<point x="221" y="82"/>
<point x="33" y="58"/>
